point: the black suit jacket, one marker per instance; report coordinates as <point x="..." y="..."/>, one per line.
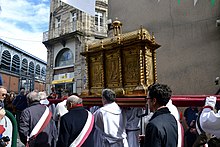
<point x="71" y="125"/>
<point x="162" y="130"/>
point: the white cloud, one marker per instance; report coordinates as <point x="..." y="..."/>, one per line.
<point x="22" y="23"/>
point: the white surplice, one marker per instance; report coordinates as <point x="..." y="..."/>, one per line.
<point x="210" y="122"/>
<point x="174" y="111"/>
<point x="110" y="123"/>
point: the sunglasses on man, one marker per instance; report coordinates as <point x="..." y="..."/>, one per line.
<point x="4" y="94"/>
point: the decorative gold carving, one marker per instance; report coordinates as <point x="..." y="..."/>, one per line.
<point x="141" y="68"/>
<point x="112" y="69"/>
<point x="125" y="63"/>
<point x="153" y="38"/>
<point x="117" y="27"/>
<point x="124" y="38"/>
<point x="148" y="66"/>
<point x="131" y="66"/>
<point x="155" y="65"/>
<point x="96" y="71"/>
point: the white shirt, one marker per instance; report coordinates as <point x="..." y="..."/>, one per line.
<point x="210" y="122"/>
<point x="60" y="110"/>
<point x="8" y="128"/>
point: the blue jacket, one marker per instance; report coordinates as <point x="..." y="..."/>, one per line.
<point x="20" y="102"/>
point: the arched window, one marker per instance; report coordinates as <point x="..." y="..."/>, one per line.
<point x="43" y="73"/>
<point x="15" y="64"/>
<point x="64" y="58"/>
<point x="6" y="60"/>
<point x="24" y="67"/>
<point x="31" y="68"/>
<point x="37" y="72"/>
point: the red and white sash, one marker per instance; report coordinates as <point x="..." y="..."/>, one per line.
<point x="85" y="131"/>
<point x="41" y="124"/>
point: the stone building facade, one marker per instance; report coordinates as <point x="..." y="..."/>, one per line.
<point x="69" y="30"/>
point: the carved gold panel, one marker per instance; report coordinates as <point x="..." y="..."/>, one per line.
<point x="131" y="66"/>
<point x="96" y="71"/>
<point x="112" y="69"/>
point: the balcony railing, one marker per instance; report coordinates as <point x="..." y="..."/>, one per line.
<point x="101" y="31"/>
<point x="72" y="27"/>
<point x="64" y="29"/>
<point x="97" y="30"/>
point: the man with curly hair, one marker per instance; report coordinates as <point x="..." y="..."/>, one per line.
<point x="162" y="129"/>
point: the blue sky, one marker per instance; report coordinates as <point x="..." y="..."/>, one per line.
<point x="22" y="23"/>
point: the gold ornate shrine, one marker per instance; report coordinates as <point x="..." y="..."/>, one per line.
<point x="125" y="63"/>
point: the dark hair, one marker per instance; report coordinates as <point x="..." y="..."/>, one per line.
<point x="109" y="95"/>
<point x="22" y="88"/>
<point x="161" y="92"/>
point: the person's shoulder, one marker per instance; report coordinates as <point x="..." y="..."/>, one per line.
<point x="8" y="120"/>
<point x="18" y="96"/>
<point x="26" y="111"/>
<point x="186" y="110"/>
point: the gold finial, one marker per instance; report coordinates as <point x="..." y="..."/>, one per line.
<point x="153" y="38"/>
<point x="140" y="32"/>
<point x="117" y="27"/>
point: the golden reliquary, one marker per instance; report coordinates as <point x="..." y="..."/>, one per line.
<point x="125" y="63"/>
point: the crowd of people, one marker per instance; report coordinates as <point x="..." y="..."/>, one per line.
<point x="69" y="123"/>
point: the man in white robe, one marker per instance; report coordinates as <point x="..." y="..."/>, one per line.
<point x="209" y="120"/>
<point x="110" y="123"/>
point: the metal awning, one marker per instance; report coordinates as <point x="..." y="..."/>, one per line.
<point x="70" y="80"/>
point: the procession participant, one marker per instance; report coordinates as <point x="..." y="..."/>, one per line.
<point x="44" y="101"/>
<point x="76" y="126"/>
<point x="174" y="111"/>
<point x="209" y="120"/>
<point x="20" y="103"/>
<point x="110" y="122"/>
<point x="133" y="125"/>
<point x="5" y="123"/>
<point x="8" y="102"/>
<point x="189" y="121"/>
<point x="60" y="110"/>
<point x="162" y="129"/>
<point x="208" y="124"/>
<point x="37" y="129"/>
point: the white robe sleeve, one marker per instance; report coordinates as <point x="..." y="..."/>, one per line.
<point x="210" y="122"/>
